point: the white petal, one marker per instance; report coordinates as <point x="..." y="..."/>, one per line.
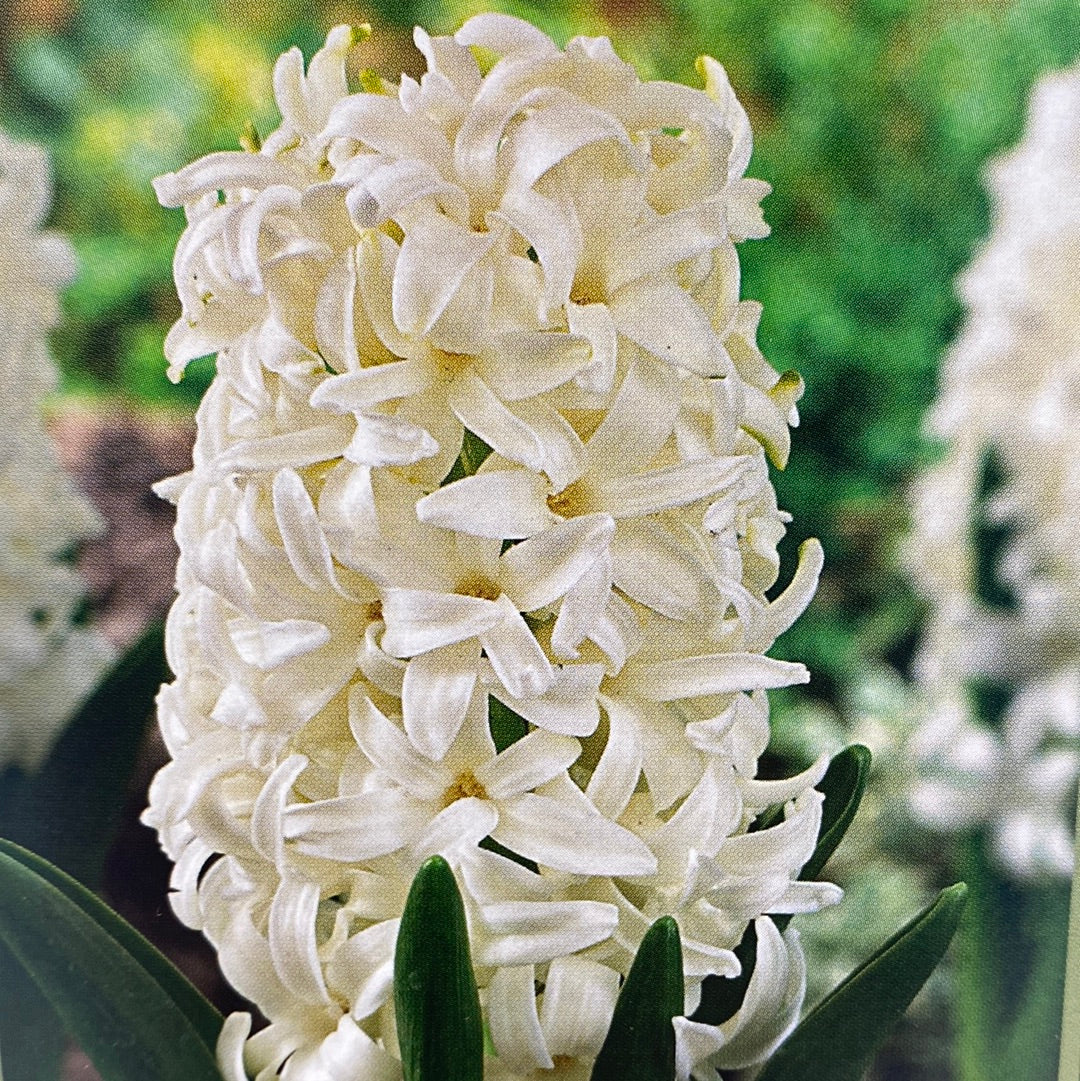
<point x="352" y="828"/>
<point x="267" y="834"/>
<point x="389" y="749"/>
<point x="523" y="364"/>
<point x="566" y="839"/>
<point x="671" y="238"/>
<point x="515" y="1025"/>
<point x="554" y="233"/>
<point x="483" y="414"/>
<point x="461" y="826"/>
<point x="667" y="322"/>
<point x="641" y="494"/>
<point x="639" y="421"/>
<point x="436" y="255"/>
<point x="530" y="761"/>
<point x="292" y="940"/>
<point x="268" y="645"/>
<point x="773" y="999"/>
<point x="230" y="1046"/>
<point x="616" y="775"/>
<point x="308" y="552"/>
<point x="539" y="570"/>
<point x="515" y="655"/>
<point x="362" y="968"/>
<point x="498" y="503"/>
<point x="594" y="323"/>
<point x="533" y="932"/>
<point x="380" y="440"/>
<point x="716" y="673"/>
<point x="363" y="390"/>
<point x="791" y="604"/>
<point x="418" y="620"/>
<point x="579" y="999"/>
<point x="435" y="695"/>
<point x="555" y="131"/>
<point x="569" y="707"/>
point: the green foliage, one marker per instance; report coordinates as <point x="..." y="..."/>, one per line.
<point x="103" y="984"/>
<point x="439" y="1030"/>
<point x="640" y="1045"/>
<point x="837" y="1039"/>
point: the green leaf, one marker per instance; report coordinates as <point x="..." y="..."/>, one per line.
<point x="640" y="1045"/>
<point x="204" y="1018"/>
<point x="121" y="1017"/>
<point x="90" y="767"/>
<point x="837" y="1039"/>
<point x="32" y="1039"/>
<point x="439" y="1029"/>
<point x="843" y="784"/>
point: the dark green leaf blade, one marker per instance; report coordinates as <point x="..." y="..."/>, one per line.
<point x="204" y="1018"/>
<point x="837" y="1039"/>
<point x="32" y="1039"/>
<point x="843" y="784"/>
<point x="128" y="1026"/>
<point x="91" y="765"/>
<point x="640" y="1045"/>
<point x="439" y="1029"/>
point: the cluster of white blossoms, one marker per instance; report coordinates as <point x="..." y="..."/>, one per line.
<point x="532" y="251"/>
<point x="1011" y="389"/>
<point x="47" y="665"/>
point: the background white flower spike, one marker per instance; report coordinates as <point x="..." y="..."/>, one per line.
<point x="475" y="553"/>
<point x="1008" y="406"/>
<point x="47" y="664"/>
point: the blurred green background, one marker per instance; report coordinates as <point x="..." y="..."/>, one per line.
<point x="873" y="121"/>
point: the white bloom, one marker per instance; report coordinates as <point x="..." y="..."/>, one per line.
<point x="1011" y="391"/>
<point x="47" y="665"/>
<point x="539" y="259"/>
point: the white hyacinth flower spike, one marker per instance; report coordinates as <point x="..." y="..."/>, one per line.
<point x="475" y="554"/>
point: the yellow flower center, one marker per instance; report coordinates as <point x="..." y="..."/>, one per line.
<point x="478" y="585"/>
<point x="465" y="786"/>
<point x="575" y="499"/>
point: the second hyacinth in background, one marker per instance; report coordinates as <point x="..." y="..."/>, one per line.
<point x="475" y="551"/>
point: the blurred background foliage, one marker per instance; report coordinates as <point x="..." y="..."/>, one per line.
<point x="873" y="121"/>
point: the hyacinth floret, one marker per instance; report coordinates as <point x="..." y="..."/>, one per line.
<point x="47" y="664"/>
<point x="475" y="553"/>
<point x="1010" y="396"/>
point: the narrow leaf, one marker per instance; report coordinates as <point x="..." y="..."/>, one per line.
<point x="124" y="1021"/>
<point x="843" y="784"/>
<point x="837" y="1039"/>
<point x="32" y="1039"/>
<point x="204" y="1018"/>
<point x="640" y="1045"/>
<point x="91" y="765"/>
<point x="438" y="1008"/>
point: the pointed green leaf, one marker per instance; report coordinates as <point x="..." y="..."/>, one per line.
<point x="204" y="1018"/>
<point x="91" y="765"/>
<point x="640" y="1045"/>
<point x="121" y="1017"/>
<point x="837" y="1039"/>
<point x="438" y="1008"/>
<point x="843" y="784"/>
